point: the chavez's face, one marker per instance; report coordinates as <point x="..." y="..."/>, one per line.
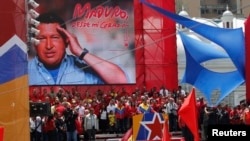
<point x="51" y="48"/>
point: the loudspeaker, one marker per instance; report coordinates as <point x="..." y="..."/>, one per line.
<point x="40" y="109"/>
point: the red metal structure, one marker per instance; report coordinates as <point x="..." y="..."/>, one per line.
<point x="156" y="54"/>
<point x="155" y="49"/>
<point x="247" y="42"/>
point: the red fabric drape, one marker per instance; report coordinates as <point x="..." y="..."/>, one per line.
<point x="7" y="26"/>
<point x="247" y="49"/>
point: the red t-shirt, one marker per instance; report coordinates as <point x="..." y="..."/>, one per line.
<point x="247" y="118"/>
<point x="50" y="125"/>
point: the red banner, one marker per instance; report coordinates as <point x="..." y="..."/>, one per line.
<point x="247" y="42"/>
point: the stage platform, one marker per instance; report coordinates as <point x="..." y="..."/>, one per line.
<point x="176" y="136"/>
<point x="107" y="137"/>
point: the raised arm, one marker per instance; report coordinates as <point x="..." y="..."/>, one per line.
<point x="108" y="71"/>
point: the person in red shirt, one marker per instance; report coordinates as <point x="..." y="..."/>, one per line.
<point x="123" y="93"/>
<point x="131" y="111"/>
<point x="96" y="106"/>
<point x="51" y="128"/>
<point x="36" y="96"/>
<point x="234" y="116"/>
<point x="155" y="96"/>
<point x="155" y="105"/>
<point x="246" y="116"/>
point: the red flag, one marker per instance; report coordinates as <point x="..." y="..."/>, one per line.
<point x="188" y="113"/>
<point x="166" y="136"/>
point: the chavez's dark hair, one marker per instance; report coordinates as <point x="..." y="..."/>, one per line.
<point x="51" y="18"/>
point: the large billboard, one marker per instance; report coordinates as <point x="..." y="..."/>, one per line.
<point x="95" y="47"/>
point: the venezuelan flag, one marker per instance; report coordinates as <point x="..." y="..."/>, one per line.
<point x="14" y="94"/>
<point x="148" y="126"/>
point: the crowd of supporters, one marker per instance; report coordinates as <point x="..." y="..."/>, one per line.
<point x="75" y="113"/>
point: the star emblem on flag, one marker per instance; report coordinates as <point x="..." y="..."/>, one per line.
<point x="154" y="127"/>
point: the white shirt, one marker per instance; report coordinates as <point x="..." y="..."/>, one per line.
<point x="111" y="108"/>
<point x="182" y="92"/>
<point x="162" y="91"/>
<point x="104" y="115"/>
<point x="171" y="106"/>
<point x="36" y="124"/>
<point x="80" y="110"/>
